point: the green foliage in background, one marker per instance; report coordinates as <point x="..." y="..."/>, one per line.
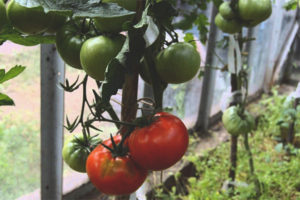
<point x="19" y="156"/>
<point x="277" y="171"/>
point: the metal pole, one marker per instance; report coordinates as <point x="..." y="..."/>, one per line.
<point x="209" y="78"/>
<point x="52" y="114"/>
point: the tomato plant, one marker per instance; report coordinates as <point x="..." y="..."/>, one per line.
<point x="115" y="24"/>
<point x="3" y="17"/>
<point x="237" y="122"/>
<point x="111" y="24"/>
<point x="58" y="20"/>
<point x="114" y="173"/>
<point x="69" y="40"/>
<point x="28" y="20"/>
<point x="76" y="151"/>
<point x="178" y="63"/>
<point x="227" y="26"/>
<point x="96" y="53"/>
<point x="160" y="144"/>
<point x="254" y="12"/>
<point x="127" y="4"/>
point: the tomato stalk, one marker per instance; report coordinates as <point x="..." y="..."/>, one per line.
<point x="235" y="86"/>
<point x="158" y="86"/>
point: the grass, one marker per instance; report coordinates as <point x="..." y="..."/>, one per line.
<point x="19" y="156"/>
<point x="278" y="172"/>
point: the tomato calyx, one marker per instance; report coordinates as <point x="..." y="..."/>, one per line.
<point x="118" y="150"/>
<point x="88" y="143"/>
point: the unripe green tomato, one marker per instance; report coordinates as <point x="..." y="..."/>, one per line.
<point x="254" y="11"/>
<point x="227" y="26"/>
<point x="74" y="154"/>
<point x="69" y="40"/>
<point x="178" y="63"/>
<point x="237" y="124"/>
<point x="127" y="4"/>
<point x="97" y="52"/>
<point x="28" y="20"/>
<point x="58" y="20"/>
<point x="115" y="24"/>
<point x="3" y="17"/>
<point x="226" y="11"/>
<point x="111" y="24"/>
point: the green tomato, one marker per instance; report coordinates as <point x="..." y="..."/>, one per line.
<point x="3" y="17"/>
<point x="28" y="20"/>
<point x="237" y="123"/>
<point x="58" y="20"/>
<point x="96" y="53"/>
<point x="115" y="24"/>
<point x="178" y="63"/>
<point x="226" y="11"/>
<point x="254" y="12"/>
<point x="112" y="24"/>
<point x="227" y="26"/>
<point x="69" y="40"/>
<point x="75" y="152"/>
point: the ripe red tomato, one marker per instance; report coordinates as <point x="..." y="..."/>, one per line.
<point x="114" y="175"/>
<point x="161" y="144"/>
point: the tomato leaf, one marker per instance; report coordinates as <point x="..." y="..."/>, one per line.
<point x="26" y="40"/>
<point x="202" y="24"/>
<point x="83" y="8"/>
<point x="13" y="72"/>
<point x="130" y="55"/>
<point x="6" y="100"/>
<point x="189" y="37"/>
<point x="2" y="73"/>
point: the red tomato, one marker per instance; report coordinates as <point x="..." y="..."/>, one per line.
<point x="159" y="145"/>
<point x="114" y="175"/>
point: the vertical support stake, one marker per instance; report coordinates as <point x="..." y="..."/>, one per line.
<point x="52" y="114"/>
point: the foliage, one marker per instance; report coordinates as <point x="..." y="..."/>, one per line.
<point x="291" y="4"/>
<point x="277" y="172"/>
<point x="5" y="76"/>
<point x="20" y="155"/>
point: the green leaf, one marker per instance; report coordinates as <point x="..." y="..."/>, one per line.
<point x="189" y="37"/>
<point x="6" y="100"/>
<point x="130" y="55"/>
<point x="12" y="73"/>
<point x="187" y="21"/>
<point x="83" y="8"/>
<point x="26" y="40"/>
<point x="202" y="23"/>
<point x="291" y="4"/>
<point x="2" y="73"/>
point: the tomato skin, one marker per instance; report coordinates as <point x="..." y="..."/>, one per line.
<point x="254" y="11"/>
<point x="111" y="24"/>
<point x="226" y="10"/>
<point x="114" y="24"/>
<point x="159" y="145"/>
<point x="178" y="63"/>
<point x="3" y="17"/>
<point x="235" y="124"/>
<point x="58" y="20"/>
<point x="69" y="40"/>
<point x="96" y="53"/>
<point x="28" y="20"/>
<point x="114" y="175"/>
<point x="227" y="26"/>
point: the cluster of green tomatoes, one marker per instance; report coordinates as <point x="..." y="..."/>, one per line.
<point x="247" y="13"/>
<point x="89" y="44"/>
